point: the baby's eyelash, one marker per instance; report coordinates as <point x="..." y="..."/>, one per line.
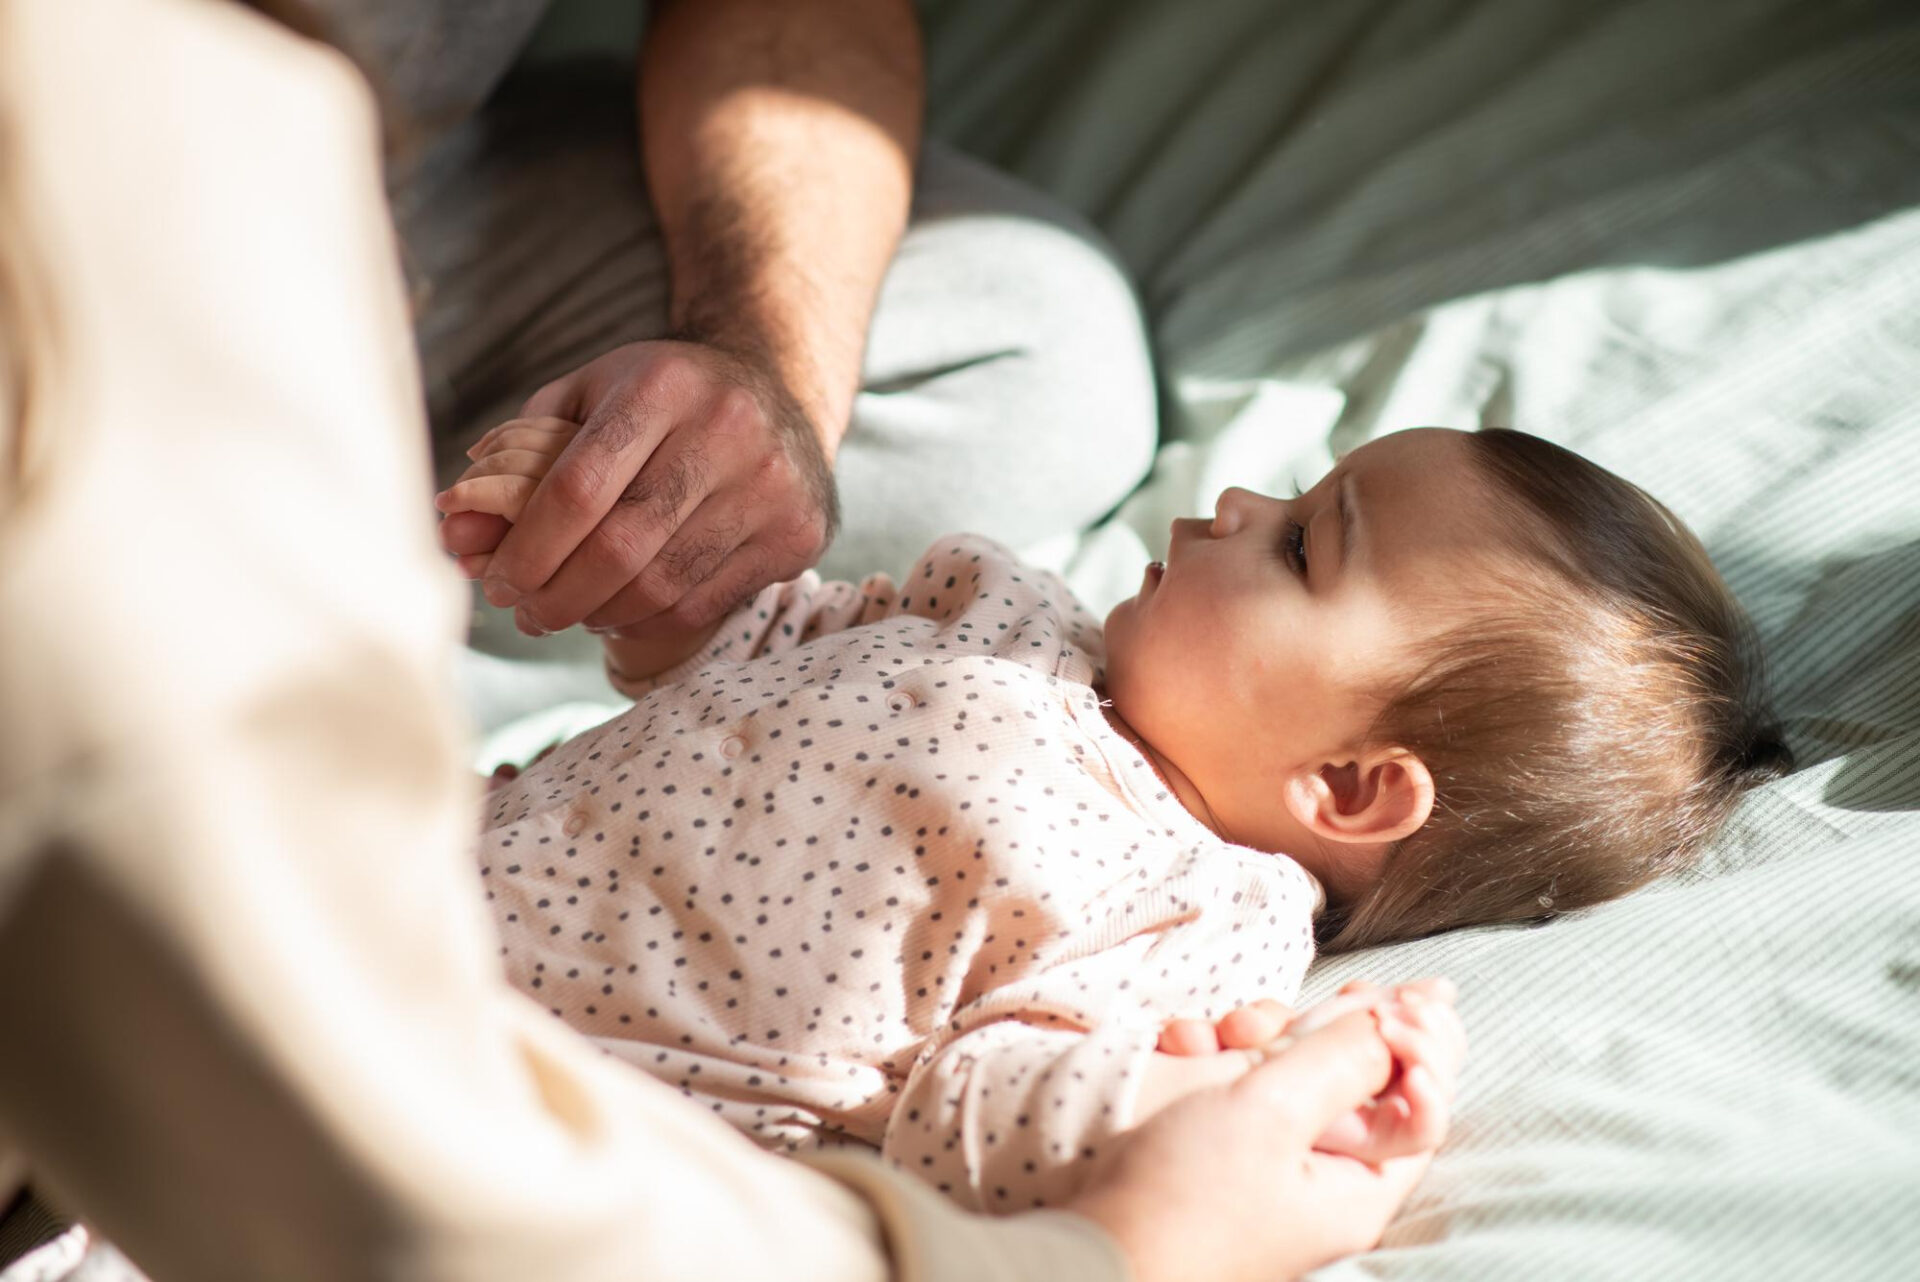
<point x="1295" y="546"/>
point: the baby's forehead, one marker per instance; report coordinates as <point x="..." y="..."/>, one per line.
<point x="1421" y="491"/>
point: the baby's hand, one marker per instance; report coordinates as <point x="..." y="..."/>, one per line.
<point x="508" y="463"/>
<point x="1419" y="1025"/>
<point x="1429" y="1044"/>
<point x="1237" y="1030"/>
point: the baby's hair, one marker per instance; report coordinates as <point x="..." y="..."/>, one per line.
<point x="1588" y="730"/>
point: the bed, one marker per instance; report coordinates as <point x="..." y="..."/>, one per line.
<point x="1685" y="241"/>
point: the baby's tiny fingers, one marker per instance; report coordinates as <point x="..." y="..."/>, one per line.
<point x="503" y="496"/>
<point x="546" y="435"/>
<point x="1428" y="1107"/>
<point x="1409" y="1042"/>
<point x="1253" y="1025"/>
<point x="1414" y="1047"/>
<point x="1444" y="1047"/>
<point x="1352" y="1133"/>
<point x="1435" y="988"/>
<point x="510" y="460"/>
<point x="1188" y="1037"/>
<point x="1350" y="999"/>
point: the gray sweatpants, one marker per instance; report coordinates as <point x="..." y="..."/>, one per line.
<point x="1008" y="388"/>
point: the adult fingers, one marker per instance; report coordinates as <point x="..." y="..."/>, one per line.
<point x="750" y="567"/>
<point x="1355" y="1198"/>
<point x="631" y="556"/>
<point x="1302" y="1090"/>
<point x="564" y="397"/>
<point x="594" y="471"/>
<point x="1349" y="1000"/>
<point x="1410" y="1117"/>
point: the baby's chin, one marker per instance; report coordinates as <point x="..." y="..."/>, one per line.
<point x="1116" y="653"/>
<point x="1115" y="632"/>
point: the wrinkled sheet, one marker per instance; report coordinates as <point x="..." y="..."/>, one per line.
<point x="1684" y="240"/>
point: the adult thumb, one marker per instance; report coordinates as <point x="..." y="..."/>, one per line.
<point x="1309" y="1082"/>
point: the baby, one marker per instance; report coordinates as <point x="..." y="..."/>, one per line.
<point x="937" y="865"/>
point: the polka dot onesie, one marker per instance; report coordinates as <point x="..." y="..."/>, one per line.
<point x="875" y="867"/>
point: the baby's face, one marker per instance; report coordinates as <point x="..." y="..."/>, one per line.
<point x="1269" y="641"/>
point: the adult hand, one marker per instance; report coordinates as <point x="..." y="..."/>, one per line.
<point x="1225" y="1183"/>
<point x="694" y="480"/>
<point x="1420" y="1026"/>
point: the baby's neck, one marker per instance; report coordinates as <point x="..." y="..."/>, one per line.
<point x="1177" y="782"/>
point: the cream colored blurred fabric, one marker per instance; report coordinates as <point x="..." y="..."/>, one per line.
<point x="251" y="1020"/>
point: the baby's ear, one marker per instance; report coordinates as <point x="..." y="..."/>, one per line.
<point x="1382" y="795"/>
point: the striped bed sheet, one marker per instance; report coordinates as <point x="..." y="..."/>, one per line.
<point x="1685" y="241"/>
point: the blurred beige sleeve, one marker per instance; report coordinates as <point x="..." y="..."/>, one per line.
<point x="251" y="1021"/>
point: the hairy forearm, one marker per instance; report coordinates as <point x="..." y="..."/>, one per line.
<point x="779" y="141"/>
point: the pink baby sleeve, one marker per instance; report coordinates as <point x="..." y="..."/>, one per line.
<point x="1009" y="1116"/>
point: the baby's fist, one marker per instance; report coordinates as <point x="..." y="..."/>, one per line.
<point x="508" y="463"/>
<point x="1429" y="1044"/>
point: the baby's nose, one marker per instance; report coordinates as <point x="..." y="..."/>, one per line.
<point x="1229" y="510"/>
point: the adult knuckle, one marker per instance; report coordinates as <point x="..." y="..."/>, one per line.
<point x="729" y="528"/>
<point x="639" y="499"/>
<point x="669" y="374"/>
<point x="738" y="410"/>
<point x="758" y="566"/>
<point x="693" y="611"/>
<point x="657" y="494"/>
<point x="648" y="595"/>
<point x="576" y="490"/>
<point x="694" y="558"/>
<point x="615" y="424"/>
<point x="619" y="547"/>
<point x="802" y="532"/>
<point x="692" y="475"/>
<point x="776" y="472"/>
